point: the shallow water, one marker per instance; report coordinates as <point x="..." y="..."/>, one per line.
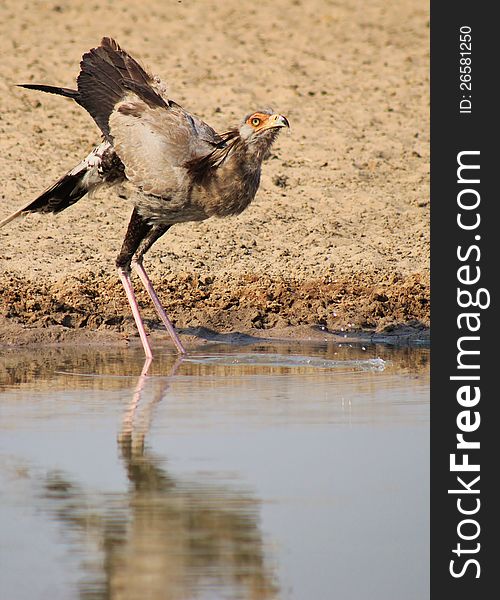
<point x="266" y="471"/>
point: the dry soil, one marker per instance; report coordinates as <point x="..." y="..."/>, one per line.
<point x="337" y="238"/>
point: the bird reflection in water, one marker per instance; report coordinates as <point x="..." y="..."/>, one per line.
<point x="165" y="538"/>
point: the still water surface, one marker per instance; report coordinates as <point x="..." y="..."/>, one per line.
<point x="265" y="471"/>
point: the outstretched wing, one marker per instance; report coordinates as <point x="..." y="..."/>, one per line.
<point x="153" y="136"/>
<point x="107" y="74"/>
<point x="101" y="82"/>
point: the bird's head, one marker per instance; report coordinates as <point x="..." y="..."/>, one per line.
<point x="262" y="124"/>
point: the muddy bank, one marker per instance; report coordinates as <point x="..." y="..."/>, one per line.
<point x="71" y="309"/>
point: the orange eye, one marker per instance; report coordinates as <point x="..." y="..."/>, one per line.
<point x="255" y="121"/>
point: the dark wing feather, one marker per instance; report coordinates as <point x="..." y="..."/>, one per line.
<point x="107" y="74"/>
<point x="145" y="92"/>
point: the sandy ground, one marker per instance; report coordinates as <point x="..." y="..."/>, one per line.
<point x="337" y="238"/>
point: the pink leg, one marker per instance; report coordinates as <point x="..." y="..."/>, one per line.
<point x="159" y="308"/>
<point x="129" y="290"/>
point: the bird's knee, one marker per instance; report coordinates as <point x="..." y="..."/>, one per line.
<point x="137" y="260"/>
<point x="123" y="262"/>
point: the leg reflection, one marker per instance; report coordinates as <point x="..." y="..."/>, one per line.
<point x="135" y="427"/>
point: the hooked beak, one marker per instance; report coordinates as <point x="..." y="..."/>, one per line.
<point x="277" y="121"/>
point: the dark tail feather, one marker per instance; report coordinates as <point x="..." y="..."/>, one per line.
<point x="50" y="89"/>
<point x="65" y="192"/>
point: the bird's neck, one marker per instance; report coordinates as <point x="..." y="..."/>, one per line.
<point x="235" y="181"/>
<point x="258" y="147"/>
